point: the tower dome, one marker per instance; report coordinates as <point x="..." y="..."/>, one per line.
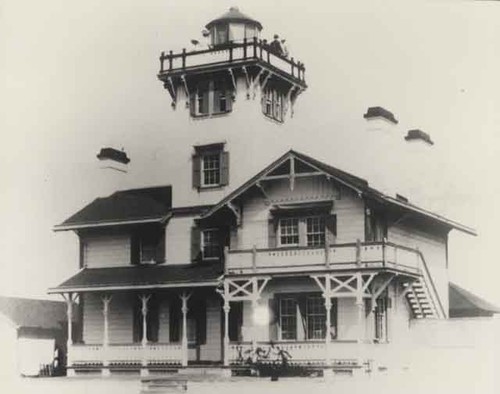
<point x="233" y="26"/>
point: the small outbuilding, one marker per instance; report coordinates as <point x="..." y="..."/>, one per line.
<point x="33" y="337"/>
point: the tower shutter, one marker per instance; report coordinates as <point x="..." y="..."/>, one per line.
<point x="224" y="168"/>
<point x="196" y="171"/>
<point x="273" y="319"/>
<point x="195" y="243"/>
<point x="331" y="229"/>
<point x="271" y="233"/>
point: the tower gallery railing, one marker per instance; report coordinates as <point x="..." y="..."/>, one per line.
<point x="232" y="52"/>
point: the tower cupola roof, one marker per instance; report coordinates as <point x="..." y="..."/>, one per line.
<point x="234" y="15"/>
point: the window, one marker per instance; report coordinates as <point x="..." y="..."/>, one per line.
<point x="375" y="228"/>
<point x="315" y="231"/>
<point x="210" y="244"/>
<point x="220" y="34"/>
<point x="211" y="98"/>
<point x="273" y="105"/>
<point x="148" y="245"/>
<point x="288" y="318"/>
<point x="211" y="170"/>
<point x="302" y="317"/>
<point x="315" y="317"/>
<point x="306" y="231"/>
<point x="210" y="166"/>
<point x="289" y="232"/>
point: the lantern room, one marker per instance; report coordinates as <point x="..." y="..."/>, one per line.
<point x="232" y="26"/>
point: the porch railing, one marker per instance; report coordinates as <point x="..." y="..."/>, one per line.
<point x="232" y="52"/>
<point x="161" y="353"/>
<point x="337" y="256"/>
<point x="305" y="352"/>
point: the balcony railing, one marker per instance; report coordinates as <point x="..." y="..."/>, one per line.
<point x="232" y="52"/>
<point x="161" y="353"/>
<point x="338" y="256"/>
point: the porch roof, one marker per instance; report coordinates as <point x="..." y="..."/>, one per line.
<point x="141" y="277"/>
<point x="465" y="304"/>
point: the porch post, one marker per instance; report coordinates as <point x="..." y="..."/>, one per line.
<point x="144" y="340"/>
<point x="184" y="298"/>
<point x="69" y="312"/>
<point x="328" y="307"/>
<point x="255" y="299"/>
<point x="226" y="308"/>
<point x="106" y="299"/>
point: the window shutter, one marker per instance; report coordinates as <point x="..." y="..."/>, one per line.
<point x="204" y="103"/>
<point x="137" y="320"/>
<point x="201" y="323"/>
<point x="331" y="228"/>
<point x="195" y="243"/>
<point x="224" y="168"/>
<point x="302" y="302"/>
<point x="135" y="249"/>
<point x="196" y="171"/>
<point x="153" y="319"/>
<point x="273" y="319"/>
<point x="160" y="247"/>
<point x="175" y="320"/>
<point x="192" y="104"/>
<point x="229" y="100"/>
<point x="333" y="320"/>
<point x="271" y="233"/>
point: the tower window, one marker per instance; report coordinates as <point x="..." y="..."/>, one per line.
<point x="273" y="105"/>
<point x="210" y="166"/>
<point x="211" y="98"/>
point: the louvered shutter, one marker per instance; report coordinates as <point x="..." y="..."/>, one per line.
<point x="273" y="319"/>
<point x="331" y="229"/>
<point x="195" y="243"/>
<point x="224" y="168"/>
<point x="271" y="233"/>
<point x="196" y="171"/>
<point x="175" y="320"/>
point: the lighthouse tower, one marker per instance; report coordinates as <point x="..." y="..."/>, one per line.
<point x="231" y="100"/>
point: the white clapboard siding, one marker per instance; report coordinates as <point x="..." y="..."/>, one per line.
<point x="107" y="251"/>
<point x="179" y="240"/>
<point x="211" y="350"/>
<point x="433" y="247"/>
<point x="349" y="210"/>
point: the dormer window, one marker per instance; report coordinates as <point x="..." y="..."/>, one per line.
<point x="148" y="246"/>
<point x="211" y="98"/>
<point x="210" y="166"/>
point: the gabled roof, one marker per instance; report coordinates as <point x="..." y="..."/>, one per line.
<point x="32" y="313"/>
<point x="465" y="304"/>
<point x="148" y="205"/>
<point x="234" y="15"/>
<point x="353" y="182"/>
<point x="141" y="277"/>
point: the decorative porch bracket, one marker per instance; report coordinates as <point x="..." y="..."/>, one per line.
<point x="233" y="79"/>
<point x="248" y="289"/>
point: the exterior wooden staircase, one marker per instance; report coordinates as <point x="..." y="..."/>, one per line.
<point x="419" y="300"/>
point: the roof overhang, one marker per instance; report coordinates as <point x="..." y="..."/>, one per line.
<point x="111" y="223"/>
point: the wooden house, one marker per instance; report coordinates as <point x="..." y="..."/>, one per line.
<point x="238" y="253"/>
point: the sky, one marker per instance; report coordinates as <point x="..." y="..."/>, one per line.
<point x="76" y="76"/>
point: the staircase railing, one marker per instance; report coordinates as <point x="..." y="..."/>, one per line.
<point x="433" y="295"/>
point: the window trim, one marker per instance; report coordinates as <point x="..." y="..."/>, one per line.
<point x="216" y="232"/>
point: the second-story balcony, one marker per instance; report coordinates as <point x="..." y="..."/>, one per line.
<point x="232" y="54"/>
<point x="350" y="256"/>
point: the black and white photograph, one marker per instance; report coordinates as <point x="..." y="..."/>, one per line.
<point x="249" y="196"/>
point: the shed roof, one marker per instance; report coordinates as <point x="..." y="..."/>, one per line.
<point x="141" y="277"/>
<point x="33" y="313"/>
<point x="151" y="204"/>
<point x="234" y="15"/>
<point x="465" y="304"/>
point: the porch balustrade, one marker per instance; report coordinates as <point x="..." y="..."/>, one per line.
<point x="150" y="354"/>
<point x="305" y="352"/>
<point x="338" y="256"/>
